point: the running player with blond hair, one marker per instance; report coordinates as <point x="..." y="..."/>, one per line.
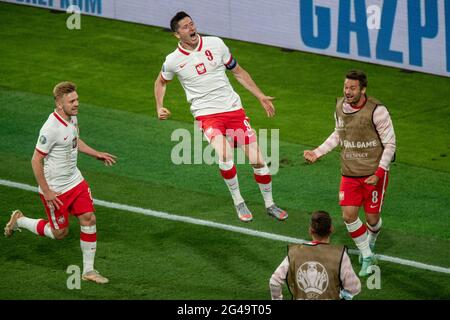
<point x="62" y="188"/>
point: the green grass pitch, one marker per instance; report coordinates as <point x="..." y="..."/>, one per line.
<point x="114" y="65"/>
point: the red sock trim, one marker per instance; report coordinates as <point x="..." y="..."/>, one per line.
<point x="228" y="174"/>
<point x="359" y="232"/>
<point x="265" y="179"/>
<point x="88" y="237"/>
<point x="40" y="227"/>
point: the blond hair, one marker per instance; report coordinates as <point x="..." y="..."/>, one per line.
<point x="63" y="88"/>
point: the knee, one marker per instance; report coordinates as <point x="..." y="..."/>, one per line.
<point x="227" y="157"/>
<point x="60" y="233"/>
<point x="224" y="158"/>
<point x="372" y="219"/>
<point x="88" y="219"/>
<point x="258" y="165"/>
<point x="349" y="218"/>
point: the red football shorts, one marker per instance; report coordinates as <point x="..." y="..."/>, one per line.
<point x="354" y="192"/>
<point x="76" y="201"/>
<point x="234" y="124"/>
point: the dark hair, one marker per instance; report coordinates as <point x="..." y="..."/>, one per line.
<point x="176" y="18"/>
<point x="321" y="223"/>
<point x="358" y="75"/>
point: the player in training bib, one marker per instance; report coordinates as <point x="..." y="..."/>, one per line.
<point x="366" y="135"/>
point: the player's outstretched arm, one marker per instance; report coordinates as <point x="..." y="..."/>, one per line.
<point x="328" y="145"/>
<point x="160" y="91"/>
<point x="108" y="159"/>
<point x="310" y="156"/>
<point x="247" y="82"/>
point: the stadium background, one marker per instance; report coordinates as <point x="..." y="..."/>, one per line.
<point x="114" y="64"/>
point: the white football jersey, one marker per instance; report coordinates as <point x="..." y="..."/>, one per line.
<point x="201" y="73"/>
<point x="58" y="142"/>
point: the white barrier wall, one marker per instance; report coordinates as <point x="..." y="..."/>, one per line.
<point x="408" y="34"/>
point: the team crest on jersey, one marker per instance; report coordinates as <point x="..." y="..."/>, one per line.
<point x="209" y="131"/>
<point x="312" y="278"/>
<point x="42" y="139"/>
<point x="341" y="195"/>
<point x="201" y="69"/>
<point x="61" y="220"/>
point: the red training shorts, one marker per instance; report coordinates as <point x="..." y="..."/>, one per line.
<point x="354" y="192"/>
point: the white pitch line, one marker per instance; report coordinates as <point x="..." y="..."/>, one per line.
<point x="261" y="234"/>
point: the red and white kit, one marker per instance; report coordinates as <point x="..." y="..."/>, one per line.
<point x="214" y="103"/>
<point x="58" y="142"/>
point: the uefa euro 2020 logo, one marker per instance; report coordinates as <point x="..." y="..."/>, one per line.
<point x="312" y="278"/>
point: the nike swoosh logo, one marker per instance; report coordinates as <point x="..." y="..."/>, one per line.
<point x="371" y="206"/>
<point x="66" y="138"/>
<point x="182" y="65"/>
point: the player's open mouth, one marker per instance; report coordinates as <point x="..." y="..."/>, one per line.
<point x="194" y="36"/>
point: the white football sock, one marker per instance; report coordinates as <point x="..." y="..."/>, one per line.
<point x="29" y="224"/>
<point x="263" y="175"/>
<point x="88" y="248"/>
<point x="228" y="169"/>
<point x="358" y="231"/>
<point x="374" y="231"/>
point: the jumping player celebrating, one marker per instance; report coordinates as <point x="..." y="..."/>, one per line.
<point x="200" y="64"/>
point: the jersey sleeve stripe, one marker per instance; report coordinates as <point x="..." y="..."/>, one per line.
<point x="162" y="77"/>
<point x="41" y="152"/>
